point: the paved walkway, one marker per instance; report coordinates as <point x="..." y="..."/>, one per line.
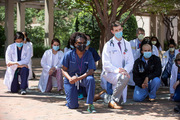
<point x="51" y="106"/>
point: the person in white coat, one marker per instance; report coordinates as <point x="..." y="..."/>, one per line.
<point x="175" y="80"/>
<point x="135" y="45"/>
<point x="51" y="74"/>
<point x="17" y="58"/>
<point x="117" y="60"/>
<point x="29" y="43"/>
<point x="167" y="62"/>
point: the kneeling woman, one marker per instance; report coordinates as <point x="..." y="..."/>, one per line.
<point x="18" y="56"/>
<point x="51" y="63"/>
<point x="175" y="80"/>
<point x="78" y="68"/>
<point x="146" y="73"/>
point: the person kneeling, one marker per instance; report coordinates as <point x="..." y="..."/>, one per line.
<point x="51" y="63"/>
<point x="175" y="80"/>
<point x="17" y="58"/>
<point x="78" y="68"/>
<point x="146" y="72"/>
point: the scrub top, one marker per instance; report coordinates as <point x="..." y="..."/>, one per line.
<point x="78" y="65"/>
<point x="95" y="54"/>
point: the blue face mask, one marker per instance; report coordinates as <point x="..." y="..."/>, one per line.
<point x="88" y="42"/>
<point x="56" y="48"/>
<point x="19" y="44"/>
<point x="72" y="46"/>
<point x="119" y="34"/>
<point x="147" y="54"/>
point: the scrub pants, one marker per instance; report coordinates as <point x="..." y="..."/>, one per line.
<point x="140" y="94"/>
<point x="72" y="92"/>
<point x="24" y="73"/>
<point x="177" y="94"/>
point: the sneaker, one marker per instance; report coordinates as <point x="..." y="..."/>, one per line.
<point x="80" y="97"/>
<point x="91" y="108"/>
<point x="61" y="92"/>
<point x="177" y="109"/>
<point x="23" y="92"/>
<point x="151" y="100"/>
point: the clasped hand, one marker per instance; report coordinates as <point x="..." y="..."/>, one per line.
<point x="124" y="72"/>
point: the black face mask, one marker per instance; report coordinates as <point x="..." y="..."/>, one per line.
<point x="81" y="47"/>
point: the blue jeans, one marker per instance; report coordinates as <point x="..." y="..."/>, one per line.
<point x="140" y="94"/>
<point x="72" y="92"/>
<point x="177" y="94"/>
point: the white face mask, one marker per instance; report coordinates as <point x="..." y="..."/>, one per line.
<point x="171" y="49"/>
<point x="153" y="42"/>
<point x="140" y="36"/>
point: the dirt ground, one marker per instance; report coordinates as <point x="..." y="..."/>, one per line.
<point x="51" y="106"/>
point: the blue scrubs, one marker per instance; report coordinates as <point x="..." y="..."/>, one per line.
<point x="95" y="54"/>
<point x="78" y="66"/>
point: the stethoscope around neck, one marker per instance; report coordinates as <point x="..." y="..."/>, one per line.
<point x="112" y="43"/>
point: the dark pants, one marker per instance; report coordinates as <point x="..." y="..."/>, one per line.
<point x="24" y="73"/>
<point x="177" y="94"/>
<point x="109" y="88"/>
<point x="164" y="77"/>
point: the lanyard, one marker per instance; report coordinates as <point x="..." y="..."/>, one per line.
<point x="79" y="66"/>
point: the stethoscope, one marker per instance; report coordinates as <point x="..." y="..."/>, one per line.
<point x="112" y="43"/>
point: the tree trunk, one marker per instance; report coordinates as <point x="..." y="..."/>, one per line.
<point x="106" y="35"/>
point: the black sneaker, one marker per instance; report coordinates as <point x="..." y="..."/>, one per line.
<point x="23" y="92"/>
<point x="177" y="109"/>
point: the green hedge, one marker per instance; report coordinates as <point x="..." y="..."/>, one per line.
<point x="38" y="50"/>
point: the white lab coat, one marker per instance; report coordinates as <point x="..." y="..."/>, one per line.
<point x="173" y="78"/>
<point x="46" y="63"/>
<point x="137" y="54"/>
<point x="30" y="63"/>
<point x="11" y="56"/>
<point x="165" y="58"/>
<point x="113" y="59"/>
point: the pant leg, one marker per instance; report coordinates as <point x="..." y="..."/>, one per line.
<point x="177" y="94"/>
<point x="140" y="94"/>
<point x="118" y="91"/>
<point x="15" y="83"/>
<point x="49" y="84"/>
<point x="71" y="95"/>
<point x="164" y="77"/>
<point x="59" y="78"/>
<point x="24" y="73"/>
<point x="89" y="83"/>
<point x="109" y="88"/>
<point x="153" y="87"/>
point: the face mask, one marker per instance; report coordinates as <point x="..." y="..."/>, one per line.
<point x="119" y="34"/>
<point x="24" y="39"/>
<point x="88" y="43"/>
<point x="153" y="42"/>
<point x="72" y="46"/>
<point x="81" y="47"/>
<point x="19" y="44"/>
<point x="171" y="49"/>
<point x="140" y="36"/>
<point x="56" y="48"/>
<point x="147" y="54"/>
